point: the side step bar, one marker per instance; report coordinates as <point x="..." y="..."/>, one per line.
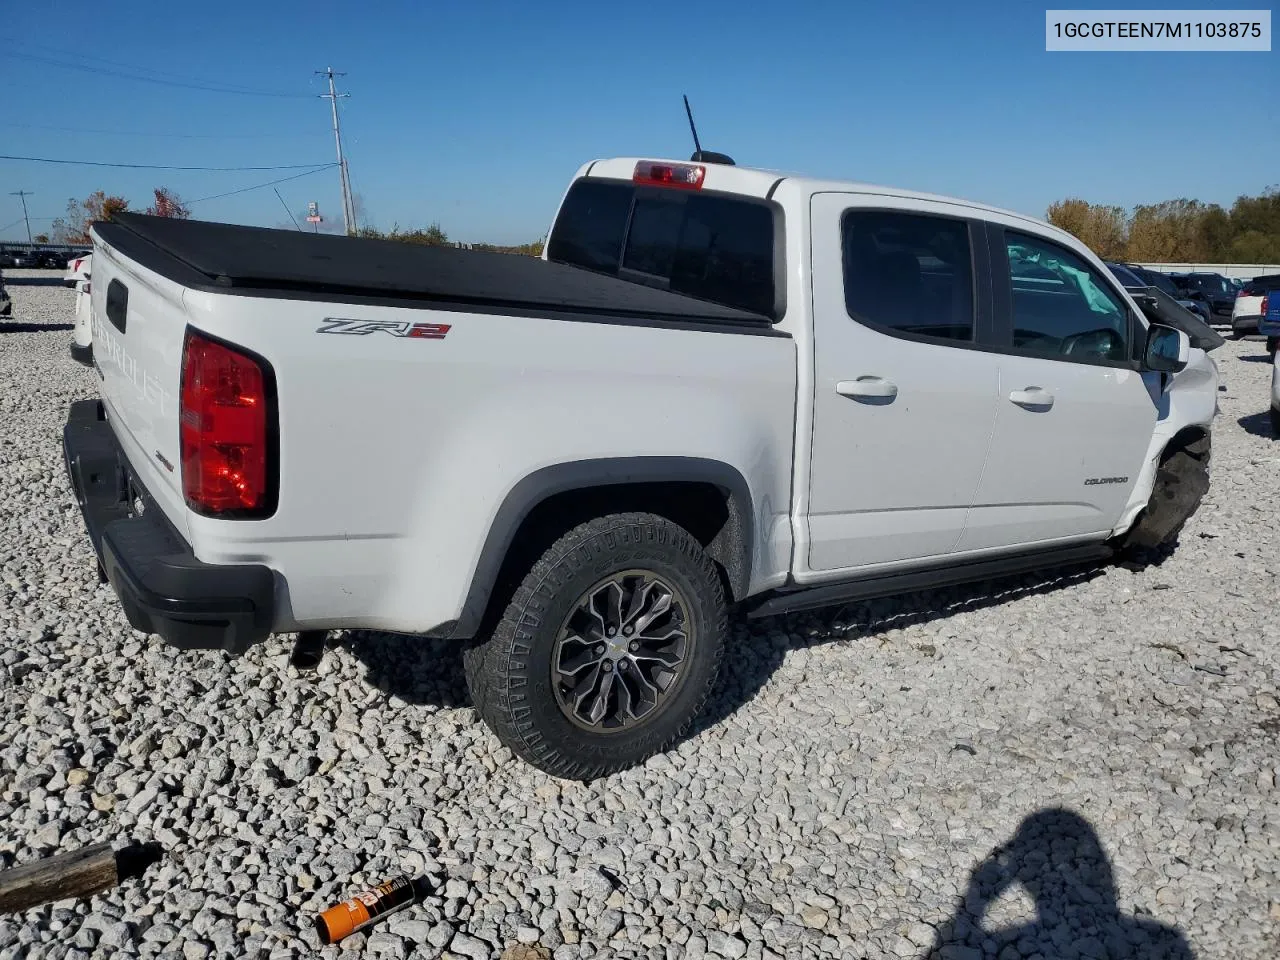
<point x="888" y="585"/>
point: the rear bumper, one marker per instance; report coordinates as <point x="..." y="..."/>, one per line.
<point x="161" y="585"/>
<point x="82" y="353"/>
<point x="1245" y="324"/>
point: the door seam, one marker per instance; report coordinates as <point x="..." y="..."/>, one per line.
<point x="986" y="458"/>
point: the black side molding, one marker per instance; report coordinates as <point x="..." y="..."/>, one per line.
<point x="891" y="584"/>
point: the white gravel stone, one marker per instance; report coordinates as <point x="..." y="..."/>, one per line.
<point x="860" y="764"/>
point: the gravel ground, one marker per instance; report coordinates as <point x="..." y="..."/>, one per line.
<point x="1078" y="765"/>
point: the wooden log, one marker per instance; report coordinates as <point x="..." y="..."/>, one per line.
<point x="78" y="873"/>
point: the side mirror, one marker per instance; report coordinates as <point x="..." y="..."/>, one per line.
<point x="1168" y="350"/>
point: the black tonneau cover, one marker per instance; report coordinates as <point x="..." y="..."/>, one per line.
<point x="234" y="258"/>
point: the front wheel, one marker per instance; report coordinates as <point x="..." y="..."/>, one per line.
<point x="608" y="648"/>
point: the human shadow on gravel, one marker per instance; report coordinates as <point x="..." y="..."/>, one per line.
<point x="1259" y="424"/>
<point x="1057" y="857"/>
<point x="34" y="327"/>
<point x="1265" y="358"/>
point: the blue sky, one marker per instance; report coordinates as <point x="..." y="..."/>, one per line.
<point x="475" y="115"/>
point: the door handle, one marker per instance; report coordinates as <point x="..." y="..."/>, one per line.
<point x="1033" y="398"/>
<point x="868" y="387"/>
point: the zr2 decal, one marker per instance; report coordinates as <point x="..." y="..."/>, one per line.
<point x="397" y="328"/>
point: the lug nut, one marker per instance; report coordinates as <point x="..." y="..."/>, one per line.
<point x="608" y="666"/>
<point x="611" y="631"/>
<point x="634" y="646"/>
<point x="629" y="630"/>
<point x="600" y="650"/>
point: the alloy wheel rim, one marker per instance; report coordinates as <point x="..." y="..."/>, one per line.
<point x="620" y="653"/>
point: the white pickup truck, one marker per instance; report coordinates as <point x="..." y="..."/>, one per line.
<point x="720" y="389"/>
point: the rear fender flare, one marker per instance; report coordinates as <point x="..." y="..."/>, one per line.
<point x="559" y="478"/>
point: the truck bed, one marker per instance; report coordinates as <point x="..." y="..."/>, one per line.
<point x="291" y="264"/>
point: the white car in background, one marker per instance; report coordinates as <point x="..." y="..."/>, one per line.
<point x="77" y="270"/>
<point x="1247" y="312"/>
<point x="82" y="333"/>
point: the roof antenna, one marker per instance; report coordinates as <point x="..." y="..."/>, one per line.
<point x="699" y="155"/>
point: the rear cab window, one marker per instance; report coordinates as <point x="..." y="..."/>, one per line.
<point x="717" y="247"/>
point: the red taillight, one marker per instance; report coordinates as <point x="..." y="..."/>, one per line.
<point x="688" y="176"/>
<point x="75" y="267"/>
<point x="222" y="430"/>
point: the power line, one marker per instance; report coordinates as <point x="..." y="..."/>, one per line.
<point x="269" y="183"/>
<point x="130" y="74"/>
<point x="287" y="210"/>
<point x="160" y="166"/>
<point x="152" y="133"/>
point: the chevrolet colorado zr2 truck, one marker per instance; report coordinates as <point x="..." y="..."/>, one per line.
<point x="719" y="389"/>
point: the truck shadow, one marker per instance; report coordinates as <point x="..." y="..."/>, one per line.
<point x="416" y="669"/>
<point x="420" y="670"/>
<point x="1057" y="857"/>
<point x="34" y="327"/>
<point x="33" y="281"/>
<point x="757" y="648"/>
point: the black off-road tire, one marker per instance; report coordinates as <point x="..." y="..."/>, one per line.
<point x="509" y="672"/>
<point x="1275" y="421"/>
<point x="1182" y="480"/>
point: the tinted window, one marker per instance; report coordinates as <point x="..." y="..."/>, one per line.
<point x="711" y="247"/>
<point x="1061" y="306"/>
<point x="1126" y="276"/>
<point x="1160" y="281"/>
<point x="1212" y="284"/>
<point x="591" y="225"/>
<point x="909" y="273"/>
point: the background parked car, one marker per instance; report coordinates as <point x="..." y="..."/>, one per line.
<point x="1161" y="307"/>
<point x="77" y="270"/>
<point x="1164" y="283"/>
<point x="1247" y="312"/>
<point x="1216" y="291"/>
<point x="1275" y="397"/>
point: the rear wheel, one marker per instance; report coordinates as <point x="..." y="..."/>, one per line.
<point x="607" y="650"/>
<point x="1275" y="421"/>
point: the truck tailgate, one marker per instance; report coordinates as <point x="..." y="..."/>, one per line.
<point x="139" y="325"/>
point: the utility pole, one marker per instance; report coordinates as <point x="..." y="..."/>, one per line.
<point x="348" y="208"/>
<point x="24" y="194"/>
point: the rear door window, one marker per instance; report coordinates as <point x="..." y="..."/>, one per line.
<point x="709" y="246"/>
<point x="909" y="273"/>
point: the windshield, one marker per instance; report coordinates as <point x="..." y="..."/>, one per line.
<point x="1127" y="277"/>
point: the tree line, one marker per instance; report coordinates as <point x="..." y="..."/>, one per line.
<point x="73" y="226"/>
<point x="1177" y="231"/>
